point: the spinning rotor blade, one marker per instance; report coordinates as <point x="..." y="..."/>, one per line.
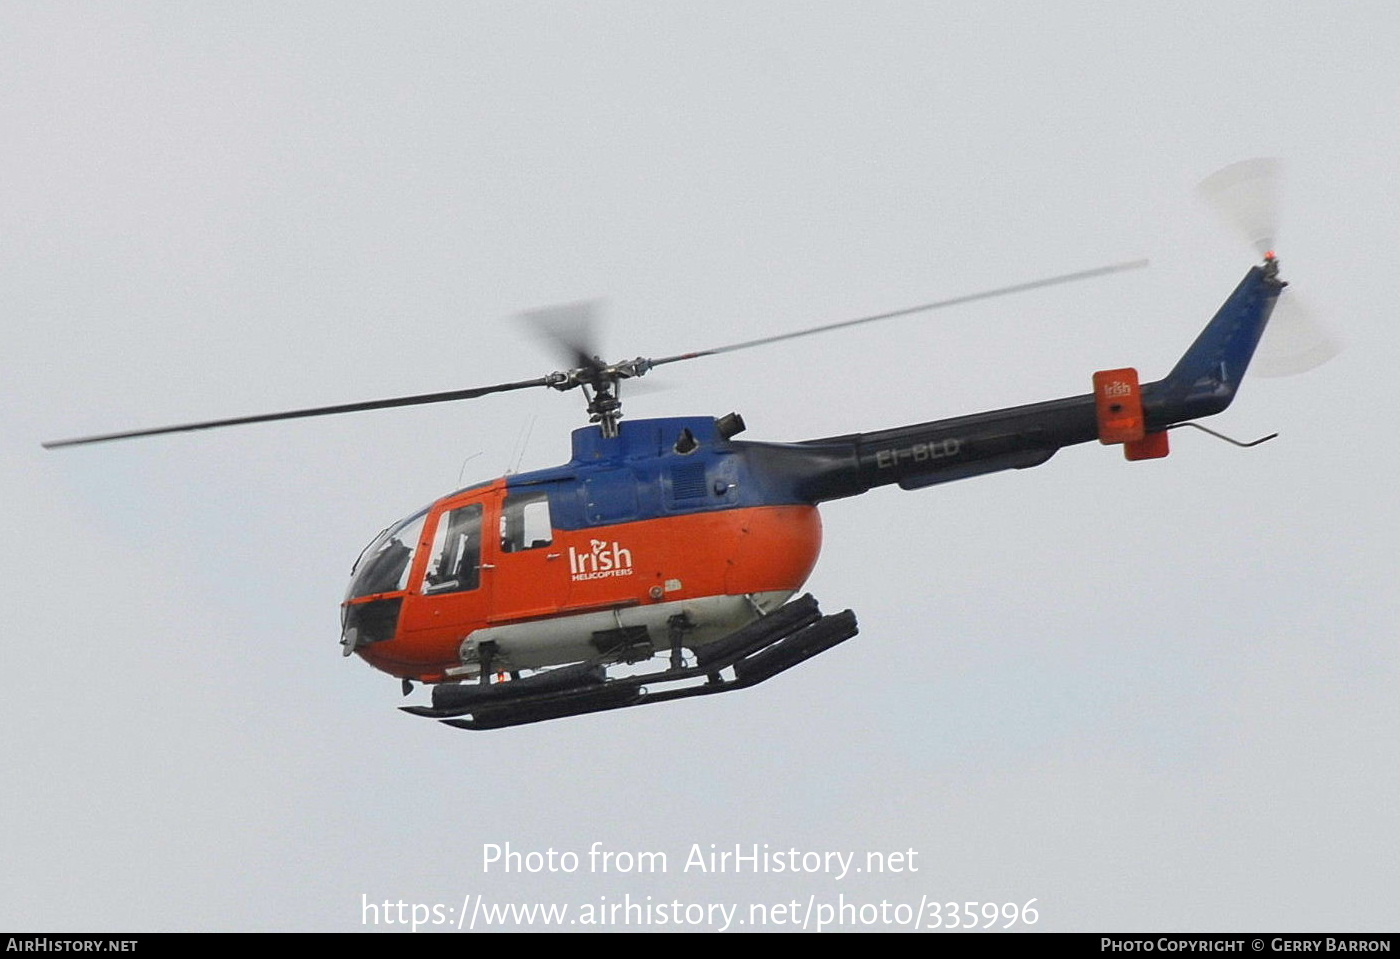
<point x="572" y="329"/>
<point x="1245" y="196"/>
<point x="1293" y="342"/>
<point x="420" y="400"/>
<point x="922" y="308"/>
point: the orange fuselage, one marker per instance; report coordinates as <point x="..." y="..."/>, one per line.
<point x="732" y="552"/>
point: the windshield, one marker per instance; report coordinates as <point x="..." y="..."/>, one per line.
<point x="383" y="566"/>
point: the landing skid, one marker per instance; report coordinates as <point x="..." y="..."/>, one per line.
<point x="758" y="651"/>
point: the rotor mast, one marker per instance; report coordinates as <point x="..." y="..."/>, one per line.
<point x="602" y="387"/>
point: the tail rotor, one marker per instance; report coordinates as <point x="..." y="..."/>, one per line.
<point x="1245" y="195"/>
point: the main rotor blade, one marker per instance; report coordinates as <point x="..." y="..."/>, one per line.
<point x="921" y="308"/>
<point x="421" y="400"/>
<point x="571" y="329"/>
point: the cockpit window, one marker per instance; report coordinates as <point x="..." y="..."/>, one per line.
<point x="383" y="566"/>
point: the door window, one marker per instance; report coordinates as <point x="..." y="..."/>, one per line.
<point x="525" y="522"/>
<point x="455" y="565"/>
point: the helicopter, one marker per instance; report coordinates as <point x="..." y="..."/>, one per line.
<point x="662" y="560"/>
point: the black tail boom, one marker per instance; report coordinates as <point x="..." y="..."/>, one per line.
<point x="1202" y="383"/>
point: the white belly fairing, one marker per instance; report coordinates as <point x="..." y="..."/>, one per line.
<point x="569" y="639"/>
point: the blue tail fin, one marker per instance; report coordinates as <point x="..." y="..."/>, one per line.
<point x="1204" y="381"/>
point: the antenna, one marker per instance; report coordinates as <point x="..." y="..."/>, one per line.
<point x="463" y="471"/>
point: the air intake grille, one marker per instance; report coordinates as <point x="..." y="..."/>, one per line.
<point x="688" y="481"/>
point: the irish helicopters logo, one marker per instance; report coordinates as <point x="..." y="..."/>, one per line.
<point x="606" y="559"/>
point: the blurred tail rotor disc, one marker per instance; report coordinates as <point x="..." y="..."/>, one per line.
<point x="1246" y="196"/>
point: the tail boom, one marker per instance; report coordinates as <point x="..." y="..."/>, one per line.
<point x="1203" y="383"/>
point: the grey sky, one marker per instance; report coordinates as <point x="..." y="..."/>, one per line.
<point x="1151" y="696"/>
